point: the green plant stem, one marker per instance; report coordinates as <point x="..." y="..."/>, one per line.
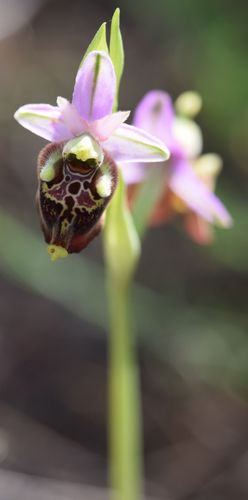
<point x="124" y="398"/>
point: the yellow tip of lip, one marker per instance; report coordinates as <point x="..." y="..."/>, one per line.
<point x="56" y="252"/>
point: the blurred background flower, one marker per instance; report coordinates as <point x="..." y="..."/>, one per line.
<point x="190" y="302"/>
<point x="187" y="182"/>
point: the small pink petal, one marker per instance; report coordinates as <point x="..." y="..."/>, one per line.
<point x="95" y="87"/>
<point x="71" y="117"/>
<point x="103" y="128"/>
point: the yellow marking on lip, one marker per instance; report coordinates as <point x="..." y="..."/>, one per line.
<point x="56" y="252"/>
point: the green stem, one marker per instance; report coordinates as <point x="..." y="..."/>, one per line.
<point x="124" y="398"/>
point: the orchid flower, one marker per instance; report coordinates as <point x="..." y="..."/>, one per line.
<point x="185" y="190"/>
<point x="77" y="172"/>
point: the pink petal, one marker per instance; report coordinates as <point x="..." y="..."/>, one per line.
<point x="131" y="144"/>
<point x="102" y="129"/>
<point x="185" y="184"/>
<point x="71" y="117"/>
<point x="43" y="120"/>
<point x="155" y="114"/>
<point x="95" y="87"/>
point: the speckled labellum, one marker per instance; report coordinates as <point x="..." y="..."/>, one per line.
<point x="73" y="192"/>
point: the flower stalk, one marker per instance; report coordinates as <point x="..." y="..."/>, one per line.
<point x="122" y="251"/>
<point x="125" y="446"/>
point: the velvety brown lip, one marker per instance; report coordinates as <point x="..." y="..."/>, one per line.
<point x="69" y="206"/>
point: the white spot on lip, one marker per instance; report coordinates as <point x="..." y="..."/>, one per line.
<point x="103" y="186"/>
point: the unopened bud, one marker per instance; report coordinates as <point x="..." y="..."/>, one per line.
<point x="188" y="104"/>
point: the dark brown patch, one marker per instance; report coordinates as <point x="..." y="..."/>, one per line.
<point x="72" y="220"/>
<point x="74" y="187"/>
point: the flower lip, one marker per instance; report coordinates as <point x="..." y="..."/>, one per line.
<point x="72" y="203"/>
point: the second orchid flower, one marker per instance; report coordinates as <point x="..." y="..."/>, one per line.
<point x="189" y="179"/>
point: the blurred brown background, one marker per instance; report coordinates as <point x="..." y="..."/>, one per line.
<point x="190" y="303"/>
